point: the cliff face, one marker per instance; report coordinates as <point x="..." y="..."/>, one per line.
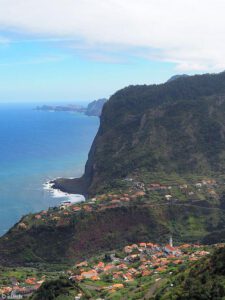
<point x="177" y="127"/>
<point x="95" y="107"/>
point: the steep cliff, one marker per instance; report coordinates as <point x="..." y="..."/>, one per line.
<point x="177" y="127"/>
<point x="95" y="107"/>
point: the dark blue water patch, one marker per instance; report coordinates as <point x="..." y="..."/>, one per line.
<point x="36" y="146"/>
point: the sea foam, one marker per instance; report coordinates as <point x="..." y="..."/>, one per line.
<point x="56" y="193"/>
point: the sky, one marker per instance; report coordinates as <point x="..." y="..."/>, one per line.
<point x="80" y="50"/>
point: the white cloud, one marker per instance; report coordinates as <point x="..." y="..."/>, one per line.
<point x="189" y="33"/>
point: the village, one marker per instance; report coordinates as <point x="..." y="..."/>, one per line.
<point x="134" y="262"/>
<point x="203" y="193"/>
<point x="152" y="193"/>
<point x="21" y="289"/>
<point x="115" y="271"/>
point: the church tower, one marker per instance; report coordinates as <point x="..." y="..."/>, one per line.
<point x="171" y="241"/>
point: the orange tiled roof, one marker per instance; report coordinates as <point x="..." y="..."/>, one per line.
<point x="100" y="265"/>
<point x="82" y="264"/>
<point x="177" y="262"/>
<point x="122" y="266"/>
<point x="108" y="267"/>
<point x="184" y="246"/>
<point x="142" y="244"/>
<point x="146" y="273"/>
<point x="172" y="249"/>
<point x="89" y="274"/>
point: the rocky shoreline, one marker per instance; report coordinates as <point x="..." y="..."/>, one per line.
<point x="70" y="185"/>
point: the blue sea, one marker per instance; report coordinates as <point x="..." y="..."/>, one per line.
<point x="37" y="146"/>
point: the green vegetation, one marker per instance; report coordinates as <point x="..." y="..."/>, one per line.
<point x="176" y="127"/>
<point x="81" y="235"/>
<point x="21" y="274"/>
<point x="158" y="276"/>
<point x="59" y="289"/>
<point x="152" y="273"/>
<point x="155" y="168"/>
<point x="204" y="280"/>
<point x="195" y="212"/>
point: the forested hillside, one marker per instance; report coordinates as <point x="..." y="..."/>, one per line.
<point x="177" y="127"/>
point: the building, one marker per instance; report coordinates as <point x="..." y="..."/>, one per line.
<point x="170" y="249"/>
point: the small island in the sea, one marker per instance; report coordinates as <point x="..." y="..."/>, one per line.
<point x="94" y="108"/>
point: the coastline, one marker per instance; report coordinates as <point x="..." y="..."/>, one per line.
<point x="70" y="185"/>
<point x="57" y="192"/>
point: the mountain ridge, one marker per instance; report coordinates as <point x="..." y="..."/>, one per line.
<point x="140" y="128"/>
<point x="175" y="77"/>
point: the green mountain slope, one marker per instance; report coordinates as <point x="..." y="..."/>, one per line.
<point x="175" y="128"/>
<point x="178" y="127"/>
<point x="205" y="280"/>
<point x="78" y="236"/>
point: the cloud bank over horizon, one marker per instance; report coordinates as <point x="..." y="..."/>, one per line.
<point x="187" y="33"/>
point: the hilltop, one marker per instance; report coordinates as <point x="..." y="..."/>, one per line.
<point x="175" y="77"/>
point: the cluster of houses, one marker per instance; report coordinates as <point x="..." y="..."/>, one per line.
<point x="135" y="261"/>
<point x="137" y="191"/>
<point x="18" y="289"/>
<point x="110" y="200"/>
<point x="143" y="259"/>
